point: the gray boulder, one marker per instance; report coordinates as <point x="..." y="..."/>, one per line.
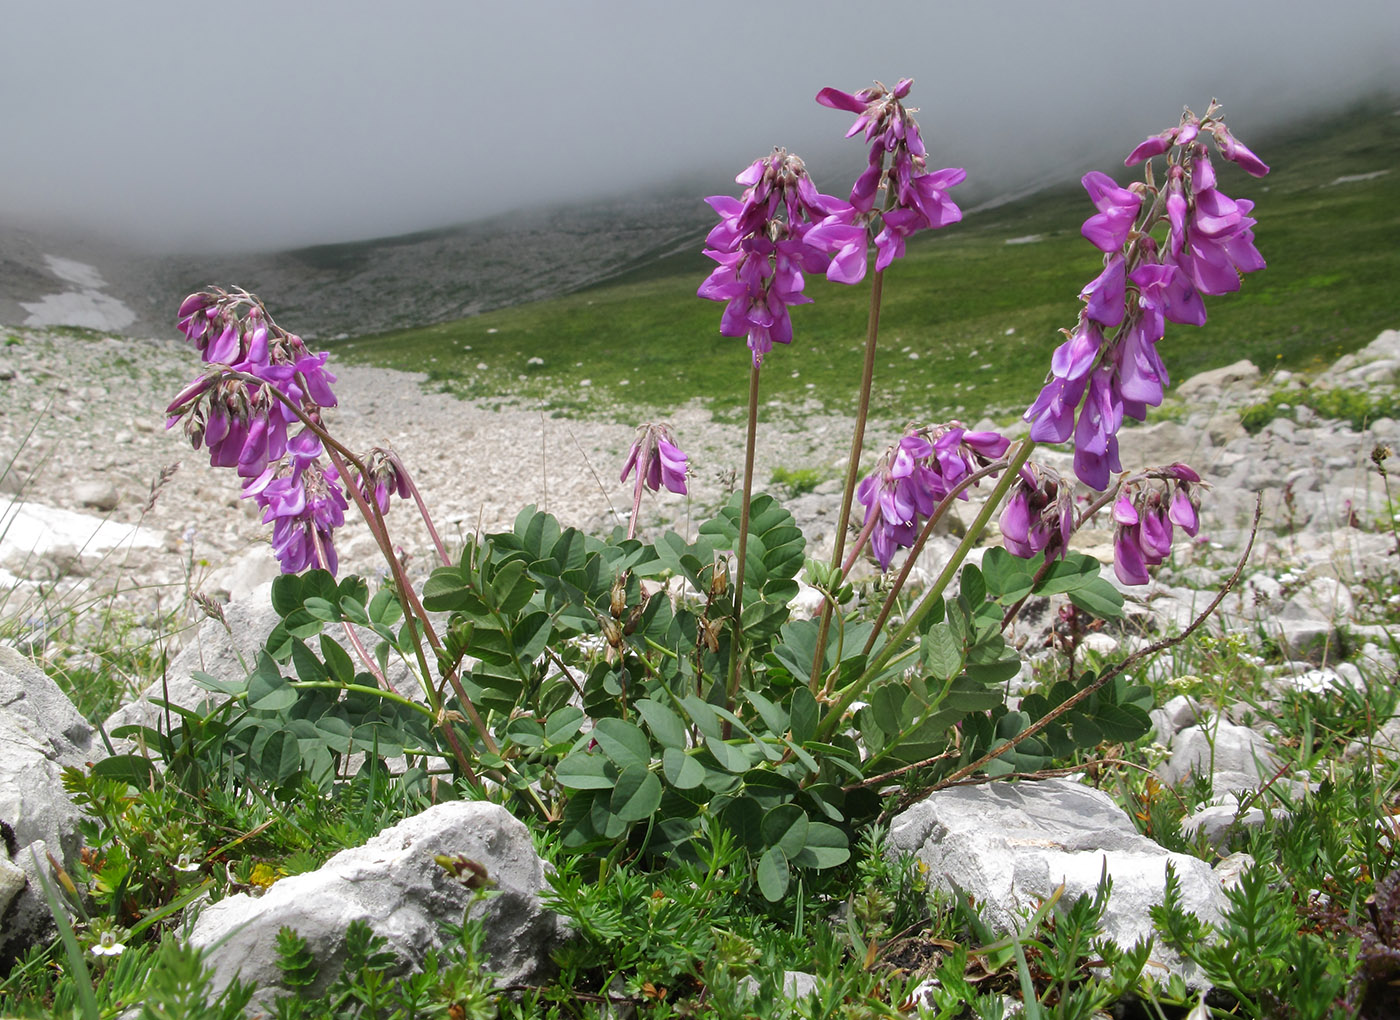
<point x="40" y="733"/>
<point x="1235" y="757"/>
<point x="1220" y="822"/>
<point x="1205" y="385"/>
<point x="1010" y="846"/>
<point x="226" y="650"/>
<point x="393" y="884"/>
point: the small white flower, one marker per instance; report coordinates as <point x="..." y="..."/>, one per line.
<point x="108" y="945"/>
<point x="186" y="862"/>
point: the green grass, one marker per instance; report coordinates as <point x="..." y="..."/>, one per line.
<point x="647" y="343"/>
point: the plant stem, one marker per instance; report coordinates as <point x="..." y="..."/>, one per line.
<point x="1113" y="671"/>
<point x="872" y="333"/>
<point x="921" y="541"/>
<point x="742" y="551"/>
<point x="427" y="518"/>
<point x="931" y="598"/>
<point x="636" y="505"/>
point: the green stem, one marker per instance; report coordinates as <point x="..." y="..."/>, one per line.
<point x="920" y="542"/>
<point x="867" y="378"/>
<point x="933" y="597"/>
<point x="333" y="685"/>
<point x="742" y="551"/>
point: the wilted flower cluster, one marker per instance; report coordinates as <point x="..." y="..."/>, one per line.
<point x="917" y="198"/>
<point x="1144" y="514"/>
<point x="245" y="426"/>
<point x="914" y="475"/>
<point x="658" y="460"/>
<point x="385" y="476"/>
<point x="1209" y="243"/>
<point x="763" y="245"/>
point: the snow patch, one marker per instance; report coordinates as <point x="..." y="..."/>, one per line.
<point x="88" y="306"/>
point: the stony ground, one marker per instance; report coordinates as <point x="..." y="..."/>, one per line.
<point x="81" y="429"/>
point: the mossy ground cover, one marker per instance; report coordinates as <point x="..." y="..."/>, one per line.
<point x="969" y="318"/>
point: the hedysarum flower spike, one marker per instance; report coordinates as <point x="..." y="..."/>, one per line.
<point x="918" y="197"/>
<point x="658" y="462"/>
<point x="914" y="475"/>
<point x="1146" y="282"/>
<point x="245" y="422"/>
<point x="766" y="241"/>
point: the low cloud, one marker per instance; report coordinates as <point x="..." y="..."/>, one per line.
<point x="262" y="125"/>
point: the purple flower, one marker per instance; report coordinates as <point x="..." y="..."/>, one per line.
<point x="1104" y="294"/>
<point x="1237" y="152"/>
<point x="1052" y="414"/>
<point x="1142" y="287"/>
<point x="247" y="424"/>
<point x="385" y="476"/>
<point x="1117" y="211"/>
<point x="1039" y="516"/>
<point x="1183" y="511"/>
<point x="1073" y="358"/>
<point x="1128" y="561"/>
<point x="657" y="459"/>
<point x="1145" y="516"/>
<point x="304" y="512"/>
<point x="917" y="473"/>
<point x="1153" y="146"/>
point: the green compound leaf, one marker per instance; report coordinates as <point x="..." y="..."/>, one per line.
<point x="941" y="652"/>
<point x="681" y="770"/>
<point x="785" y="826"/>
<point x="1098" y="598"/>
<point x="1074" y="571"/>
<point x="664" y="724"/>
<point x="1008" y="580"/>
<point x="729" y="757"/>
<point x="268" y="690"/>
<point x="805" y="714"/>
<point x="563" y="724"/>
<point x="826" y="846"/>
<point x="286" y="594"/>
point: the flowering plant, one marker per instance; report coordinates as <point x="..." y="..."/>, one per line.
<point x="638" y="694"/>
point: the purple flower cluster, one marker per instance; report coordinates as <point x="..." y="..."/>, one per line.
<point x="1209" y="242"/>
<point x="763" y="244"/>
<point x="914" y="475"/>
<point x="917" y="198"/>
<point x="658" y="460"/>
<point x="1039" y="515"/>
<point x="245" y="425"/>
<point x="1144" y="514"/>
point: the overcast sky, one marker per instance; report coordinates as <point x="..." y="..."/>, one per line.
<point x="255" y="125"/>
